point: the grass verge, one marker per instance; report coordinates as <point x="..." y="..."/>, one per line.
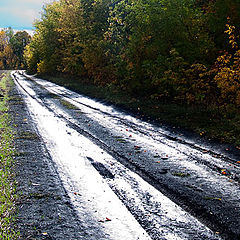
<point x="215" y="123"/>
<point x="7" y="183"/>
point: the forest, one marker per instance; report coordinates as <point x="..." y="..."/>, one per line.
<point x="183" y="51"/>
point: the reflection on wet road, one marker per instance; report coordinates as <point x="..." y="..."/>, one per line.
<point x="135" y="180"/>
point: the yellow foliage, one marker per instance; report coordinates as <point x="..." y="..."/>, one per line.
<point x="41" y="67"/>
<point x="228" y="71"/>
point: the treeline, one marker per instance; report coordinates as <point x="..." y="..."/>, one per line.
<point x="12" y="47"/>
<point x="173" y="50"/>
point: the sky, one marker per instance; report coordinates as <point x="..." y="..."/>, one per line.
<point x="20" y="14"/>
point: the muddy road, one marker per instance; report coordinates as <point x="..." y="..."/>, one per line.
<point x="130" y="179"/>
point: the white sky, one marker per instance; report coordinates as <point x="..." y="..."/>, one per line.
<point x="20" y="14"/>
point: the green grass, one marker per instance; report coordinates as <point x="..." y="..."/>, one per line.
<point x="68" y="105"/>
<point x="7" y="183"/>
<point x="211" y="122"/>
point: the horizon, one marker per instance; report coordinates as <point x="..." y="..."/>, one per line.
<point x="29" y="31"/>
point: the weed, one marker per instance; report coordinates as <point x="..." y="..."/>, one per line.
<point x="68" y="105"/>
<point x="7" y="183"/>
<point x="15" y="101"/>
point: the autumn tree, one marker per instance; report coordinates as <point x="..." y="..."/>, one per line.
<point x="18" y="43"/>
<point x="12" y="48"/>
<point x="7" y="57"/>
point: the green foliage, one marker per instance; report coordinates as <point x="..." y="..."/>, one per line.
<point x="184" y="82"/>
<point x="32" y="54"/>
<point x="157" y="48"/>
<point x="146" y="31"/>
<point x="18" y="42"/>
<point x="48" y="39"/>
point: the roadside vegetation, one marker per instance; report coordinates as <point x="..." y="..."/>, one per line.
<point x="7" y="183"/>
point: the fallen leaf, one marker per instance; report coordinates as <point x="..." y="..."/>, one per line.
<point x="77" y="194"/>
<point x="108" y="219"/>
<point x="223" y="171"/>
<point x="213" y="198"/>
<point x="158" y="162"/>
<point x="238" y="161"/>
<point x="137" y="147"/>
<point x="44" y="234"/>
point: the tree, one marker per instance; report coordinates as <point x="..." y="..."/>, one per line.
<point x="47" y="40"/>
<point x="18" y="43"/>
<point x="7" y="57"/>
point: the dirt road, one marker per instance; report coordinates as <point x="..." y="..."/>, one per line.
<point x="96" y="172"/>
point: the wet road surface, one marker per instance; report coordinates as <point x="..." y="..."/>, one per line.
<point x="132" y="179"/>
